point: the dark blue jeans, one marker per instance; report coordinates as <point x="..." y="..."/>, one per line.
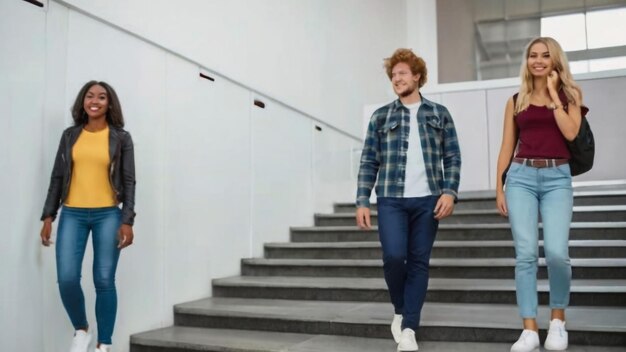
<point x="407" y="230"/>
<point x="73" y="232"/>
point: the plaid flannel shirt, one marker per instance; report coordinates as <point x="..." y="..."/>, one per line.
<point x="386" y="144"/>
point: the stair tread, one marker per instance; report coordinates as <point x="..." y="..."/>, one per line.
<point x="376" y="244"/>
<point x="577" y="285"/>
<point x="204" y="338"/>
<point x="580" y="208"/>
<point x="574" y="225"/>
<point x="266" y="341"/>
<point x="433" y="314"/>
<point x="466" y="262"/>
<point x="483" y="195"/>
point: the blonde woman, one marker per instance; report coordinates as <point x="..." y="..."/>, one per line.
<point x="538" y="122"/>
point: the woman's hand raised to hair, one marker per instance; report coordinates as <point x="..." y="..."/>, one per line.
<point x="553" y="82"/>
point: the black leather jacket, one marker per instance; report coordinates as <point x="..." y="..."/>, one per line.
<point x="121" y="172"/>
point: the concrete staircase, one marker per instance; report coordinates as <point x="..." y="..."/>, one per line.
<point x="324" y="290"/>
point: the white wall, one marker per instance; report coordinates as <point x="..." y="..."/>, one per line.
<point x="421" y="18"/>
<point x="217" y="176"/>
<point x="470" y="119"/>
<point x="320" y="56"/>
<point x="22" y="87"/>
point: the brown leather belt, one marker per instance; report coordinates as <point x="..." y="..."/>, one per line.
<point x="540" y="163"/>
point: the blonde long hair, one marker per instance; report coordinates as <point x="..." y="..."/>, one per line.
<point x="559" y="60"/>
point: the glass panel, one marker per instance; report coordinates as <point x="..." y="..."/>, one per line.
<point x="568" y="30"/>
<point x="606" y="28"/>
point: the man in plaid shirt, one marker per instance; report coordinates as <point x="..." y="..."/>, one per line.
<point x="412" y="148"/>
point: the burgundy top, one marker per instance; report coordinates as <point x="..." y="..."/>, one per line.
<point x="539" y="135"/>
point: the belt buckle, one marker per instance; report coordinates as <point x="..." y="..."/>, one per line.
<point x="539" y="163"/>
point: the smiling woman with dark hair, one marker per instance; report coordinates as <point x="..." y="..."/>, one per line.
<point x="94" y="171"/>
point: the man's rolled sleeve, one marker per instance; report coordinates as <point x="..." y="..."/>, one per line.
<point x="451" y="159"/>
<point x="368" y="170"/>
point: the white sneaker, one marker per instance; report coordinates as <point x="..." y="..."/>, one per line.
<point x="407" y="341"/>
<point x="527" y="342"/>
<point x="396" y="327"/>
<point x="81" y="341"/>
<point x="557" y="336"/>
<point x="104" y="348"/>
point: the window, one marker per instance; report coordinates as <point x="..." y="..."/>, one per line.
<point x="485" y="39"/>
<point x="568" y="30"/>
<point x="594" y="40"/>
<point x="606" y="28"/>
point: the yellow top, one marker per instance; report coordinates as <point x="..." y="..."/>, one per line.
<point x="90" y="186"/>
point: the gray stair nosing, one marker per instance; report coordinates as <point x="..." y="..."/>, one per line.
<point x="183" y="309"/>
<point x="440" y="244"/>
<point x="574" y="225"/>
<point x="452" y="262"/>
<point x="374" y="284"/>
<point x="492" y="196"/>
<point x="576" y="209"/>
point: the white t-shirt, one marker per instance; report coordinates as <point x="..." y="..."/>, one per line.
<point x="415" y="180"/>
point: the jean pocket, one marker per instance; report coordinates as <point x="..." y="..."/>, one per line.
<point x="513" y="168"/>
<point x="564" y="170"/>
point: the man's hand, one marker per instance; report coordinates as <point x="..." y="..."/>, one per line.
<point x="444" y="207"/>
<point x="363" y="219"/>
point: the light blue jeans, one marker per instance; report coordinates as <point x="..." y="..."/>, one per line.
<point x="548" y="191"/>
<point x="73" y="232"/>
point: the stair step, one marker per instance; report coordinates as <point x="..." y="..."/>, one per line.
<point x="458" y="232"/>
<point x="479" y="268"/>
<point x="440" y="321"/>
<point x="602" y="213"/>
<point x="441" y="249"/>
<point x="583" y="292"/>
<point x="180" y="338"/>
<point x="487" y="200"/>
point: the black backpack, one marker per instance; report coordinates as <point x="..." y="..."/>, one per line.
<point x="582" y="149"/>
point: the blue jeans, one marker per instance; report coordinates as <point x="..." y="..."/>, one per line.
<point x="407" y="230"/>
<point x="73" y="232"/>
<point x="548" y="191"/>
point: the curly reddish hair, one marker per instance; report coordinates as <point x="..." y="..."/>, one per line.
<point x="416" y="63"/>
